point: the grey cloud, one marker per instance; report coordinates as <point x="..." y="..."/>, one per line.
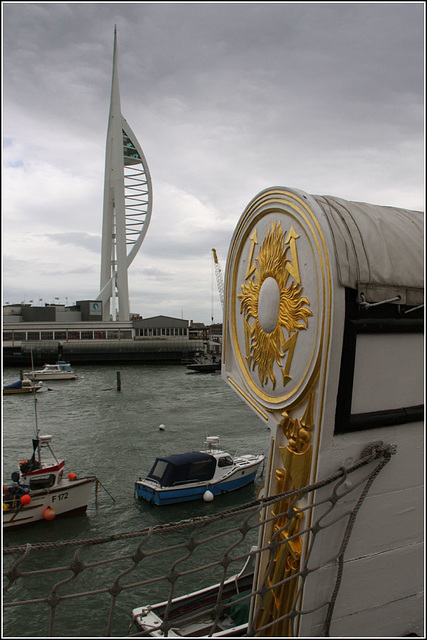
<point x="77" y="239"/>
<point x="226" y="99"/>
<point x="152" y="273"/>
<point x="83" y="270"/>
<point x="11" y="265"/>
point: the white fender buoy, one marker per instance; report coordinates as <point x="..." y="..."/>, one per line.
<point x="162" y="427"/>
<point x="208" y="496"/>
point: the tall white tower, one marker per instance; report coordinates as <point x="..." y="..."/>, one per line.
<point x="127" y="206"/>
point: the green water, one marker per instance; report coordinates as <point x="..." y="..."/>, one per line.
<point x="115" y="436"/>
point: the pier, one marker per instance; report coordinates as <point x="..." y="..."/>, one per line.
<point x="103" y="352"/>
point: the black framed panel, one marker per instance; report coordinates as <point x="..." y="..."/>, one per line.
<point x="384" y="319"/>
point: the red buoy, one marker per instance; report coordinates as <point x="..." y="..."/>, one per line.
<point x="49" y="513"/>
<point x="72" y="475"/>
<point x="25" y="499"/>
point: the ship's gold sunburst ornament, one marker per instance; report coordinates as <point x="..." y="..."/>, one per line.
<point x="277" y="339"/>
<point x="270" y="306"/>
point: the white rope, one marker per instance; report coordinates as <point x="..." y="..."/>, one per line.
<point x="366" y="305"/>
<point x="414" y="308"/>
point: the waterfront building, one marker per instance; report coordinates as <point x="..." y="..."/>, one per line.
<point x="80" y="334"/>
<point x="197" y="330"/>
<point x="83" y="310"/>
<point x="160" y="327"/>
<point x="215" y="331"/>
<point x="127" y="206"/>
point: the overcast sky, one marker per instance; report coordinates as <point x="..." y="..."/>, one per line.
<point x="226" y="99"/>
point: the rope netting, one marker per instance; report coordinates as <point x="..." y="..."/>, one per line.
<point x="119" y="573"/>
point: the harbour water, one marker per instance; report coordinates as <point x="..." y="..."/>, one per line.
<point x="115" y="435"/>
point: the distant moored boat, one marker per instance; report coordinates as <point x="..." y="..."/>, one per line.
<point x="22" y="386"/>
<point x="59" y="371"/>
<point x="197" y="475"/>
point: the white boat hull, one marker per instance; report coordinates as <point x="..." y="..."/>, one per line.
<point x="65" y="375"/>
<point x="70" y="497"/>
<point x="59" y="371"/>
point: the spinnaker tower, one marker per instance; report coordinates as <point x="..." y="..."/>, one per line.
<point x="127" y="206"/>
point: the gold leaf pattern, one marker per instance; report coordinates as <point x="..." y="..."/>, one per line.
<point x="266" y="349"/>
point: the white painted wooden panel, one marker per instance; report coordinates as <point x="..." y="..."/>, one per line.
<point x="395" y="619"/>
<point x="395" y="499"/>
<point x="369" y="583"/>
<point x="406" y="467"/>
<point x="387" y="372"/>
<point x="380" y="579"/>
<point x="383" y="522"/>
<point x="389" y="528"/>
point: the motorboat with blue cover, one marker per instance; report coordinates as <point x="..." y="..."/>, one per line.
<point x="22" y="386"/>
<point x="197" y="475"/>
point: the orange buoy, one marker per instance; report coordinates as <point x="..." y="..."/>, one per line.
<point x="25" y="499"/>
<point x="72" y="475"/>
<point x="49" y="513"/>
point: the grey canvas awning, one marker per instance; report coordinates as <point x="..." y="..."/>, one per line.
<point x="379" y="250"/>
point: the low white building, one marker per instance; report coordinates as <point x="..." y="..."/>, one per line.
<point x="161" y="327"/>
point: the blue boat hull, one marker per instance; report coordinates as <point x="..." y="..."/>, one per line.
<point x="171" y="496"/>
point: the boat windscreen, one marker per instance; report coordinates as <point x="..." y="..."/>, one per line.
<point x="64" y="366"/>
<point x="158" y="469"/>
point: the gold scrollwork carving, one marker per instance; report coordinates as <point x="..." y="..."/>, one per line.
<point x="296" y="457"/>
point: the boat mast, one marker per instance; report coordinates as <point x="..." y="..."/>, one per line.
<point x="35" y="408"/>
<point x="36" y="423"/>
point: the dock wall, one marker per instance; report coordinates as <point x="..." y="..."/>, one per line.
<point x="99" y="352"/>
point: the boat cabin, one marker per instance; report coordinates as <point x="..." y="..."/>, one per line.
<point x="194" y="466"/>
<point x="44" y="473"/>
<point x="59" y="366"/>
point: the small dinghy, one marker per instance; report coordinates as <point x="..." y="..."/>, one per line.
<point x="193" y="615"/>
<point x="206" y="364"/>
<point x="197" y="475"/>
